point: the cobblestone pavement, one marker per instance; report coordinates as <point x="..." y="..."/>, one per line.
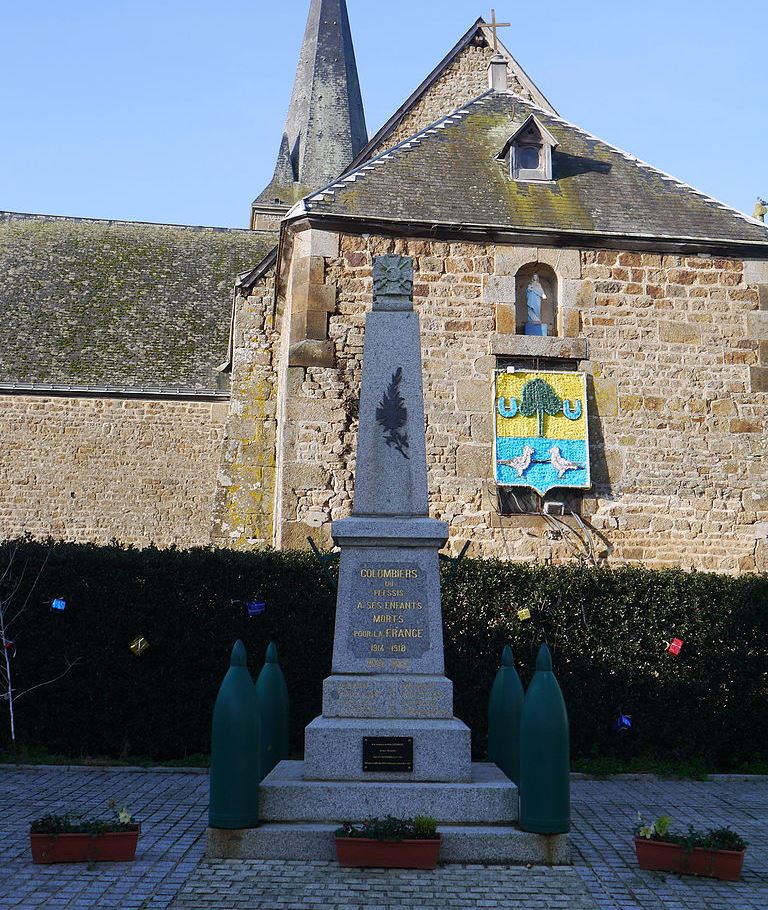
<point x="605" y="811"/>
<point x="168" y="874"/>
<point x="272" y="885"/>
<point x="171" y="807"/>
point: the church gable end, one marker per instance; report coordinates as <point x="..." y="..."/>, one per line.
<point x="459" y="77"/>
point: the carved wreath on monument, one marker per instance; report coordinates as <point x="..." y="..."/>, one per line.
<point x="393" y="276"/>
<point x="393" y="415"/>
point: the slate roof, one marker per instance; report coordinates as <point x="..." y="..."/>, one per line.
<point x="119" y="305"/>
<point x="449" y="174"/>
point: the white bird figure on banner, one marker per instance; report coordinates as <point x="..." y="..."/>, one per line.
<point x="522" y="462"/>
<point x="560" y="464"/>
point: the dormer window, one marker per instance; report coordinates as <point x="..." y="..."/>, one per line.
<point x="529" y="151"/>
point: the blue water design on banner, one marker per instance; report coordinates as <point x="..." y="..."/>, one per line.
<point x="540" y="473"/>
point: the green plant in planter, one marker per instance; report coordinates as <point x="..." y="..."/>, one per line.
<point x="422" y="827"/>
<point x="723" y="839"/>
<point x="656" y="830"/>
<point x="714" y="839"/>
<point x="71" y="823"/>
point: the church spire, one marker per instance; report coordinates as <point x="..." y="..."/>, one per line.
<point x="325" y="126"/>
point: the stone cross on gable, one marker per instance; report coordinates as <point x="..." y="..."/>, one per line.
<point x="493" y="25"/>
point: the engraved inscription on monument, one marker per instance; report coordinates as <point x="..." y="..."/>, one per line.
<point x="389" y="613"/>
<point x="388" y="753"/>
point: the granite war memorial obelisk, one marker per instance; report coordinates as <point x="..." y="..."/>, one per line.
<point x="388" y="708"/>
<point x="387" y="742"/>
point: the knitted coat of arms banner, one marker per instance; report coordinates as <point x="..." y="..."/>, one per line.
<point x="542" y="440"/>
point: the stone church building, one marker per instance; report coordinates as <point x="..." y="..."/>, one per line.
<point x="198" y="386"/>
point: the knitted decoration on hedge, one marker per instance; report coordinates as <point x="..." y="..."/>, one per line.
<point x="255" y="607"/>
<point x="623" y="723"/>
<point x="675" y="646"/>
<point x="139" y="645"/>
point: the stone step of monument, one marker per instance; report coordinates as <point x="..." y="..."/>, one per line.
<point x="490" y="798"/>
<point x="489" y="845"/>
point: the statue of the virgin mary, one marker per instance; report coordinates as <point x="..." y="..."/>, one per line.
<point x="534" y="294"/>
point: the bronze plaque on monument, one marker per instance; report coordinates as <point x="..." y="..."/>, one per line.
<point x="388" y="753"/>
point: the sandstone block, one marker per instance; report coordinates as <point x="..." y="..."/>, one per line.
<point x="304" y="476"/>
<point x="316" y="325"/>
<point x="635" y="522"/>
<point x="630" y="259"/>
<point x="756" y="272"/>
<point x="473" y="461"/>
<point x="308" y="270"/>
<point x="481" y="428"/>
<point x="474" y="395"/>
<point x="317" y="243"/>
<point x="571" y="290"/>
<point x="742" y="425"/>
<point x="499" y="290"/>
<point x="606" y="396"/>
<point x="757" y="325"/>
<point x="762" y="292"/>
<point x="294" y="536"/>
<point x="607" y="467"/>
<point x="723" y="407"/>
<point x="506" y="319"/>
<point x="614" y="460"/>
<point x="755" y="500"/>
<point x="321" y="297"/>
<point x="567" y="263"/>
<point x="571" y="323"/>
<point x="485" y="365"/>
<point x="679" y="333"/>
<point x="533" y="346"/>
<point x="310" y="353"/>
<point x="758" y="379"/>
<point x="510" y="259"/>
<point x="356" y="260"/>
<point x="294" y="381"/>
<point x="433" y="264"/>
<point x="298" y="325"/>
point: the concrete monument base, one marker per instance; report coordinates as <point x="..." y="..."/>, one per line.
<point x="477" y="819"/>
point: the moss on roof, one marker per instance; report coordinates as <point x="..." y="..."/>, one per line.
<point x="112" y="303"/>
<point x="450" y="173"/>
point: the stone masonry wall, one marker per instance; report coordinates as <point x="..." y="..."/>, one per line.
<point x="94" y="469"/>
<point x="677" y="355"/>
<point x="464" y="79"/>
<point x="245" y="485"/>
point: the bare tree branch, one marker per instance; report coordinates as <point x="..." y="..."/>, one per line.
<point x="70" y="664"/>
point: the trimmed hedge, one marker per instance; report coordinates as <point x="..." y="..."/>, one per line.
<point x="607" y="630"/>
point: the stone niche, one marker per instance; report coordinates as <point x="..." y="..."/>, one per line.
<point x="549" y="307"/>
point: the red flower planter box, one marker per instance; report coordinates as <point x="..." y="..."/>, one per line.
<point x="115" y="847"/>
<point x="388" y="854"/>
<point x="661" y="856"/>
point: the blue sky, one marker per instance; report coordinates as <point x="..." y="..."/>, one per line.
<point x="172" y="110"/>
